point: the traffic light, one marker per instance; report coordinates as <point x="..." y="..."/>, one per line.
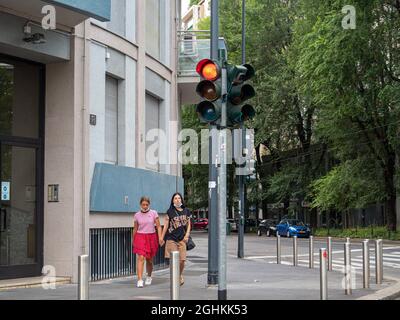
<point x="209" y="110"/>
<point x="239" y="92"/>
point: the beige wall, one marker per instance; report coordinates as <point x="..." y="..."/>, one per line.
<point x="64" y="164"/>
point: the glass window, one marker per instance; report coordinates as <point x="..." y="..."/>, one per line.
<point x="19" y="99"/>
<point x="152" y="122"/>
<point x="153" y="28"/>
<point x="111" y="121"/>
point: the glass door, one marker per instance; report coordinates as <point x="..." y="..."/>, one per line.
<point x="19" y="220"/>
<point x="21" y="168"/>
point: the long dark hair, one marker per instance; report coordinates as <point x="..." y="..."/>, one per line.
<point x="172" y="201"/>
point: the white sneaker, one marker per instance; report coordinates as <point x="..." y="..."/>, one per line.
<point x="140" y="284"/>
<point x="148" y="281"/>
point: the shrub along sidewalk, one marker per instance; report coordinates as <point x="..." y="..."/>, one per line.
<point x="362" y="233"/>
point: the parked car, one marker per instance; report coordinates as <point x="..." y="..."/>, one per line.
<point x="251" y="223"/>
<point x="292" y="227"/>
<point x="234" y="225"/>
<point x="200" y="224"/>
<point x="267" y="227"/>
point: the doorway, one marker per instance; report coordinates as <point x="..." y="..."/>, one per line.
<point x="21" y="168"/>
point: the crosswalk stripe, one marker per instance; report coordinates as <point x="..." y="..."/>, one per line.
<point x="392" y="256"/>
<point x="373" y="259"/>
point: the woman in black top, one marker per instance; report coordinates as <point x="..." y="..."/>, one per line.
<point x="176" y="231"/>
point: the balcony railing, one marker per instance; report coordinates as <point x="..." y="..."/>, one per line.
<point x="193" y="47"/>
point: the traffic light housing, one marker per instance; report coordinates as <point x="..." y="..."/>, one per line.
<point x="209" y="89"/>
<point x="239" y="92"/>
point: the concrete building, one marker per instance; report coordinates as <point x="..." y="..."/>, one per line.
<point x="77" y="106"/>
<point x="195" y="13"/>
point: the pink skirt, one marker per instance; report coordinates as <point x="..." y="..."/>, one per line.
<point x="146" y="245"/>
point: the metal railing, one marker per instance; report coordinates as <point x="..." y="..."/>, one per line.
<point x="111" y="254"/>
<point x="193" y="47"/>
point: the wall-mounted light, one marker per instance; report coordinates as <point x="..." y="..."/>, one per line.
<point x="35" y="38"/>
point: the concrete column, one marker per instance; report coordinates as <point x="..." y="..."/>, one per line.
<point x="141" y="85"/>
<point x="64" y="239"/>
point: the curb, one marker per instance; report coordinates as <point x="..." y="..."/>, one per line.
<point x="390" y="293"/>
<point x="36" y="283"/>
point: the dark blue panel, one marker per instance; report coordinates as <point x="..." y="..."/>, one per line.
<point x="111" y="184"/>
<point x="99" y="9"/>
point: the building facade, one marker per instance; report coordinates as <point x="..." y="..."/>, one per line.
<point x="78" y="109"/>
<point x="195" y="14"/>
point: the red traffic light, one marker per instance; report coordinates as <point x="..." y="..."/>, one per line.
<point x="208" y="69"/>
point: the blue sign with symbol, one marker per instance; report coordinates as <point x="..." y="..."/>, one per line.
<point x="5" y="191"/>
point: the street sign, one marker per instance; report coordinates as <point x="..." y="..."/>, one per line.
<point x="5" y="191"/>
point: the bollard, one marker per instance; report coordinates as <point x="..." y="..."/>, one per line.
<point x="83" y="277"/>
<point x="379" y="261"/>
<point x="323" y="274"/>
<point x="311" y="247"/>
<point x="175" y="275"/>
<point x="366" y="274"/>
<point x="348" y="240"/>
<point x="347" y="268"/>
<point x="330" y="254"/>
<point x="278" y="249"/>
<point x="295" y="255"/>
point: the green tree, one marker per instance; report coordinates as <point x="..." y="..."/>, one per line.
<point x="353" y="77"/>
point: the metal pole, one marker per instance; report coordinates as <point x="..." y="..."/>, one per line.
<point x="311" y="257"/>
<point x="347" y="265"/>
<point x="379" y="261"/>
<point x="213" y="211"/>
<point x="83" y="277"/>
<point x="330" y="254"/>
<point x="348" y="240"/>
<point x="243" y="31"/>
<point x="278" y="249"/>
<point x="366" y="274"/>
<point x="175" y="275"/>
<point x="213" y="170"/>
<point x="323" y="274"/>
<point x="222" y="292"/>
<point x="243" y="138"/>
<point x="241" y="202"/>
<point x="295" y="252"/>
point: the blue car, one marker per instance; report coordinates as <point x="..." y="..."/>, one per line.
<point x="292" y="227"/>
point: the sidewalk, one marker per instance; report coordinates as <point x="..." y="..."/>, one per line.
<point x="247" y="280"/>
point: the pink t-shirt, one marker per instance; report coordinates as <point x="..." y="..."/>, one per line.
<point x="146" y="221"/>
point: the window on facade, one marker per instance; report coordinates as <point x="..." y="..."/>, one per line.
<point x="152" y="122"/>
<point x="111" y="121"/>
<point x="153" y="28"/>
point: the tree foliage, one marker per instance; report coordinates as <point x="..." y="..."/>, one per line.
<point x="319" y="84"/>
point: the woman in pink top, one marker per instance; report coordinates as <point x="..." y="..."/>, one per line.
<point x="145" y="239"/>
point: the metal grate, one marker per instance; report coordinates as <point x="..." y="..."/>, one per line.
<point x="111" y="254"/>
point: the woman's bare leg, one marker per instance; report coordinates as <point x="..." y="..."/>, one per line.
<point x="140" y="267"/>
<point x="149" y="267"/>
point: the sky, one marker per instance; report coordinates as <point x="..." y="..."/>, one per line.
<point x="185" y="5"/>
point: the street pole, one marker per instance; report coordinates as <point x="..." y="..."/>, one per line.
<point x="242" y="145"/>
<point x="222" y="196"/>
<point x="213" y="170"/>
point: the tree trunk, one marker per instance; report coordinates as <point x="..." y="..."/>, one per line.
<point x="391" y="193"/>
